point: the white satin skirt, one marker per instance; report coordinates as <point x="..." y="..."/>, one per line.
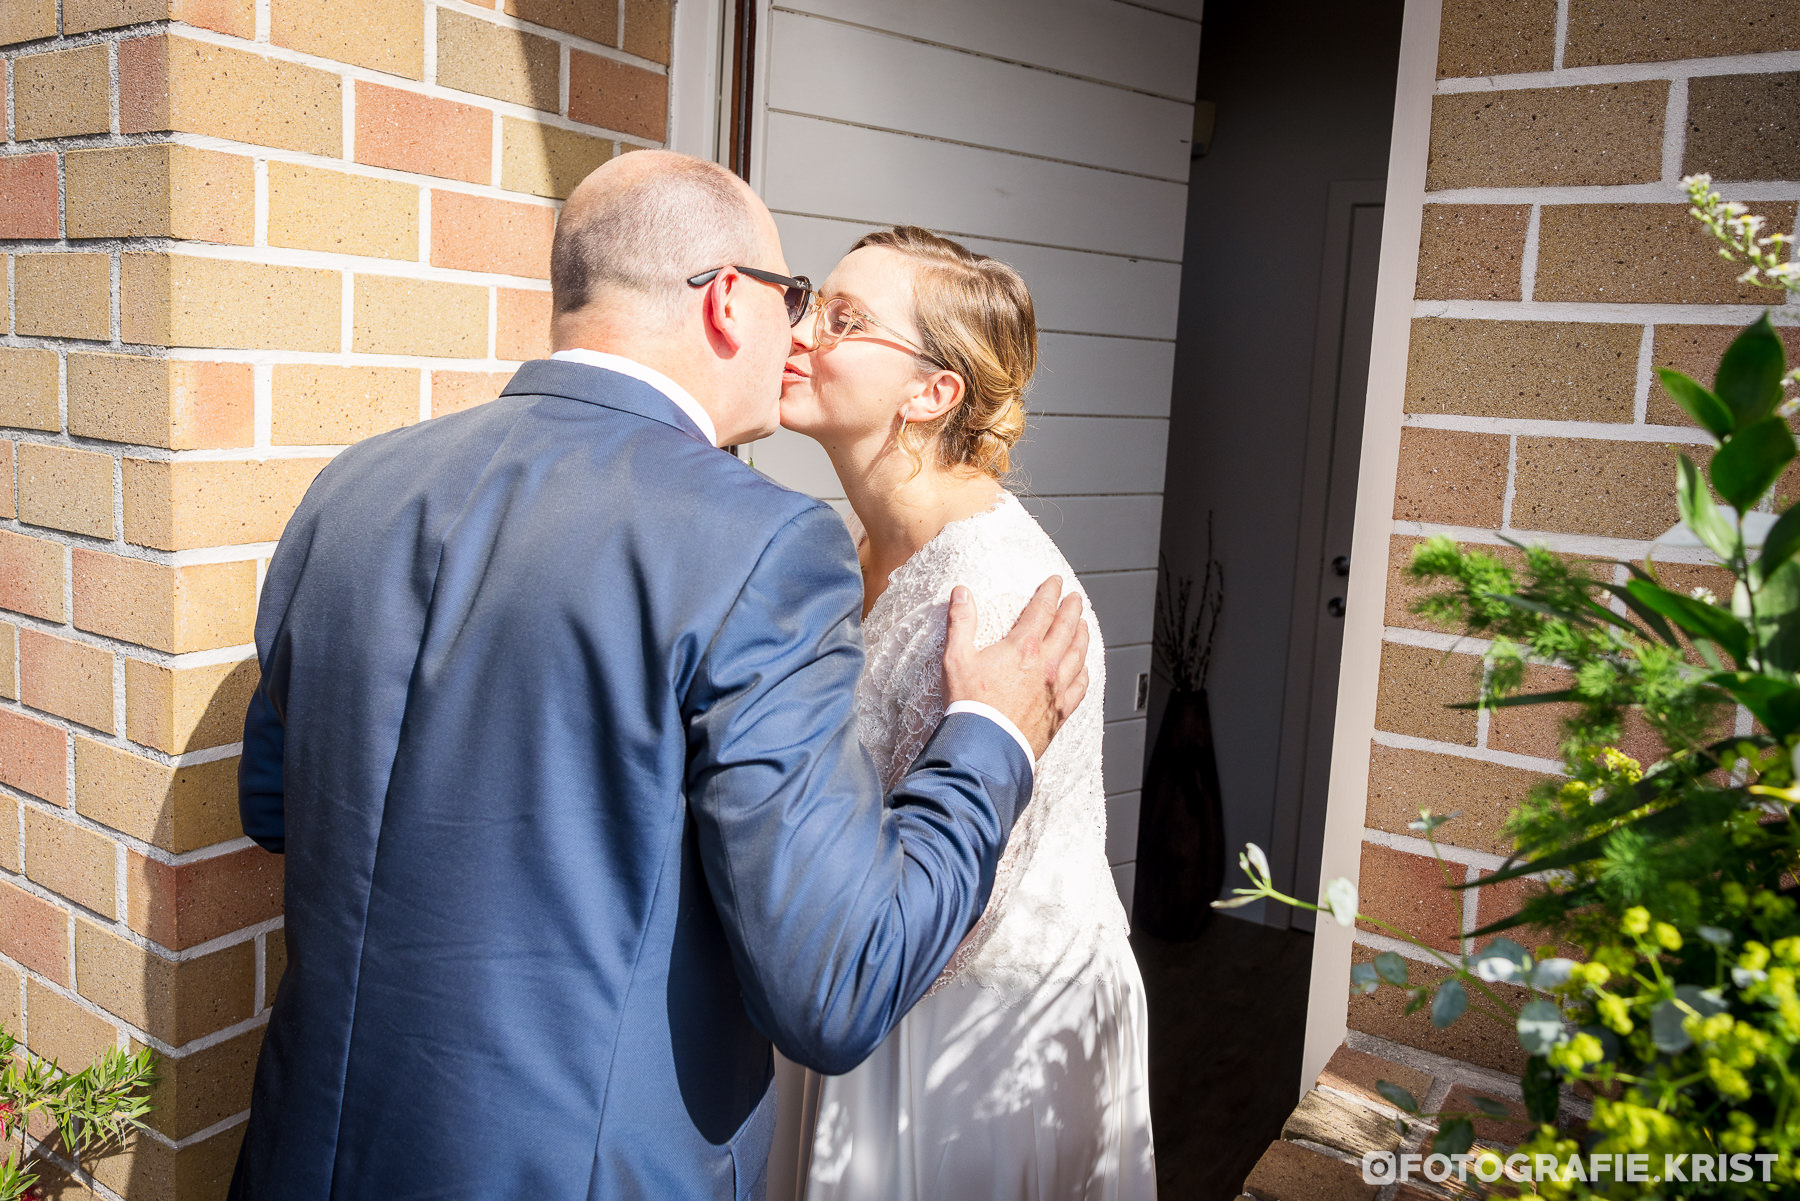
<point x="976" y="1095"/>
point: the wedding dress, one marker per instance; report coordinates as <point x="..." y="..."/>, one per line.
<point x="1022" y="1074"/>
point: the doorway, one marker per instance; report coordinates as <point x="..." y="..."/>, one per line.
<point x="1272" y="357"/>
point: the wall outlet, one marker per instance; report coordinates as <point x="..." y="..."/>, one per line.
<point x="1143" y="692"/>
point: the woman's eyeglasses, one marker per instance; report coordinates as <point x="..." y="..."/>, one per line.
<point x="797" y="290"/>
<point x="838" y="319"/>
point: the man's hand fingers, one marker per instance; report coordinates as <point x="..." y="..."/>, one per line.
<point x="1069" y="699"/>
<point x="1061" y="634"/>
<point x="959" y="629"/>
<point x="1039" y="612"/>
<point x="1074" y="661"/>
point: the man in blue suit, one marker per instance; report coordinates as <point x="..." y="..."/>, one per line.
<point x="555" y="730"/>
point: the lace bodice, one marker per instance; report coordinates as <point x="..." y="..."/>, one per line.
<point x="1053" y="899"/>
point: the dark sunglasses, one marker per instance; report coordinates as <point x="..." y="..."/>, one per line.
<point x="797" y="289"/>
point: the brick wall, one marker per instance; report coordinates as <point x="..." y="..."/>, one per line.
<point x="1557" y="266"/>
<point x="236" y="235"/>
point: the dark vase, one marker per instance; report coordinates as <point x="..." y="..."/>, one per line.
<point x="1181" y="826"/>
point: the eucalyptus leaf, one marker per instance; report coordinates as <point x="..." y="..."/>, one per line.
<point x="1363" y="979"/>
<point x="1751" y="461"/>
<point x="1492" y="1107"/>
<point x="1542" y="1089"/>
<point x="1665" y="1027"/>
<point x="1780" y="543"/>
<point x="1451" y="1002"/>
<point x="1707" y="410"/>
<point x="1749" y="376"/>
<point x="1454" y="1137"/>
<point x="1396" y="1096"/>
<point x="1540" y="1027"/>
<point x="1392" y="968"/>
<point x="1552" y="973"/>
<point x="1416" y="1002"/>
<point x="1715" y="935"/>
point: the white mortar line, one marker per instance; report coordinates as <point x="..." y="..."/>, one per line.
<point x="1469" y="909"/>
<point x="262" y="22"/>
<point x="112" y="88"/>
<point x="1462" y="856"/>
<point x="1675" y="131"/>
<point x="1624" y="193"/>
<point x="1598" y="311"/>
<point x="260" y="989"/>
<point x="1529" y="255"/>
<point x="430" y="65"/>
<point x="1406" y="742"/>
<point x="1512" y="482"/>
<point x="1377" y="941"/>
<point x="1560" y="76"/>
<point x="1562" y="35"/>
<point x="1539" y="428"/>
<point x="1594" y="545"/>
<point x="1640" y="396"/>
<point x="1437" y="640"/>
<point x="563" y="82"/>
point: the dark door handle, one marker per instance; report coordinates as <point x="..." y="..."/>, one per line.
<point x="1335" y="606"/>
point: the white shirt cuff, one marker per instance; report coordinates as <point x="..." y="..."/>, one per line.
<point x="998" y="718"/>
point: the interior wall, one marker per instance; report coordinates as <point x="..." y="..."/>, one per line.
<point x="1294" y="113"/>
<point x="1052" y="134"/>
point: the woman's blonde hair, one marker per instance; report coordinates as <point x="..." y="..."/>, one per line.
<point x="975" y="318"/>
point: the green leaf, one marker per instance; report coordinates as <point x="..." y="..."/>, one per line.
<point x="1451" y="1002"/>
<point x="1749" y="377"/>
<point x="1491" y="1106"/>
<point x="1396" y="1096"/>
<point x="1699" y="513"/>
<point x="1697" y="618"/>
<point x="1540" y="1027"/>
<point x="1392" y="968"/>
<point x="1778" y="618"/>
<point x="1707" y="410"/>
<point x="1665" y="1027"/>
<point x="1647" y="615"/>
<point x="1751" y="461"/>
<point x="1779" y="544"/>
<point x="1773" y="702"/>
<point x="1454" y="1137"/>
<point x="1520" y="698"/>
<point x="1363" y="979"/>
<point x="1417" y="1002"/>
<point x="1542" y="1089"/>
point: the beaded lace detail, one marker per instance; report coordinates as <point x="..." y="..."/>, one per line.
<point x="1053" y="901"/>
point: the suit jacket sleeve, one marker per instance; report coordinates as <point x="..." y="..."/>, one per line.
<point x="260" y="795"/>
<point x="841" y="906"/>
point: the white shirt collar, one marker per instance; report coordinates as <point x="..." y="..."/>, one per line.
<point x="680" y="396"/>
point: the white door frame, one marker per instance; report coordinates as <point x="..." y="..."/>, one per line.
<point x="1359" y="677"/>
<point x="697" y="73"/>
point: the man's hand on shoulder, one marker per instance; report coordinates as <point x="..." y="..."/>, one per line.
<point x="1036" y="675"/>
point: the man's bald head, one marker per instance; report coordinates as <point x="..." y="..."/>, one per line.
<point x="635" y="229"/>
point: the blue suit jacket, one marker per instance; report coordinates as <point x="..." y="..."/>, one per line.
<point x="555" y="728"/>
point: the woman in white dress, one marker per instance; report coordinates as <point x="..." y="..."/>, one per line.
<point x="1022" y="1073"/>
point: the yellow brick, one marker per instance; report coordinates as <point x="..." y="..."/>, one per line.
<point x="546" y="161"/>
<point x="70" y="861"/>
<point x="491" y="60"/>
<point x="180" y="506"/>
<point x="152" y="1170"/>
<point x="9" y="860"/>
<point x="176" y="403"/>
<point x="31" y="576"/>
<point x="178" y="300"/>
<point x="205" y="1087"/>
<point x="317" y="405"/>
<point x="383" y="35"/>
<point x="62" y="1030"/>
<point x="454" y="391"/>
<point x="174" y="1001"/>
<point x="70" y="679"/>
<point x="411" y="316"/>
<point x="236" y="17"/>
<point x="62" y="295"/>
<point x="180" y="709"/>
<point x="198" y="607"/>
<point x="160" y="191"/>
<point x="177" y="84"/>
<point x="28" y="389"/>
<point x="176" y="808"/>
<point x="66" y="489"/>
<point x="8" y="509"/>
<point x="9" y="660"/>
<point x="315" y="209"/>
<point x="274" y="960"/>
<point x="26" y="21"/>
<point x="62" y="94"/>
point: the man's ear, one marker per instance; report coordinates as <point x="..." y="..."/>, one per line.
<point x="941" y="392"/>
<point x="718" y="311"/>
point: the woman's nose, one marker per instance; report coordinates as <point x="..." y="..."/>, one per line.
<point x="803" y="334"/>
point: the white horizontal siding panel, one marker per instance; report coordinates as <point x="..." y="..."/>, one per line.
<point x="1189" y="9"/>
<point x="1072" y="456"/>
<point x="813" y="245"/>
<point x="1123" y="663"/>
<point x="796" y="461"/>
<point x="1125" y="602"/>
<point x="1121" y="827"/>
<point x="1124" y="878"/>
<point x="892" y="82"/>
<point x="1102" y="533"/>
<point x="1095" y="39"/>
<point x="1127" y="377"/>
<point x="819" y="167"/>
<point x="1122" y="746"/>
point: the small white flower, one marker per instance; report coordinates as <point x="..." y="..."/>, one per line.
<point x="1258" y="860"/>
<point x="1340" y="900"/>
<point x="1704" y="594"/>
